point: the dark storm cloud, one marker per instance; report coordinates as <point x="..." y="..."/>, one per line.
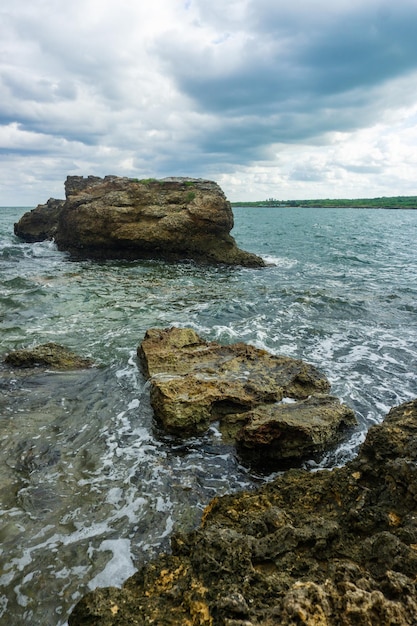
<point x="300" y="65"/>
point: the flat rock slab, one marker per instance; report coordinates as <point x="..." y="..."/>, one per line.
<point x="47" y="355"/>
<point x="196" y="382"/>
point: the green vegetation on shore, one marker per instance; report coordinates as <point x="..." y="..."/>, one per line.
<point x="395" y="202"/>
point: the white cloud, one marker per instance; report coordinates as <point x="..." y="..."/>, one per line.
<point x="377" y="161"/>
<point x="307" y="99"/>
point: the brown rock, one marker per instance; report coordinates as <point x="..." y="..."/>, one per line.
<point x="335" y="548"/>
<point x="195" y="382"/>
<point x="40" y="223"/>
<point x="47" y="355"/>
<point x="283" y="432"/>
<point x="173" y="219"/>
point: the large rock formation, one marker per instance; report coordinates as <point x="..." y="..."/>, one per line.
<point x="173" y="218"/>
<point x="329" y="548"/>
<point x="277" y="408"/>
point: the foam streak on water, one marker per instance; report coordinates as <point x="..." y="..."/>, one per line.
<point x="90" y="488"/>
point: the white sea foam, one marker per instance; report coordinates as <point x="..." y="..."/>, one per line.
<point x="278" y="261"/>
<point x="118" y="568"/>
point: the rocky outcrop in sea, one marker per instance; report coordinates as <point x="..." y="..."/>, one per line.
<point x="276" y="409"/>
<point x="51" y="355"/>
<point x="113" y="217"/>
<point x="335" y="548"/>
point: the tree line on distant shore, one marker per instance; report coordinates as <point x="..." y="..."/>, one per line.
<point x="394" y="202"/>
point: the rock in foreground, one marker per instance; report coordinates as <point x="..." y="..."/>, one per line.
<point x="113" y="217"/>
<point x="196" y="382"/>
<point x="329" y="548"/>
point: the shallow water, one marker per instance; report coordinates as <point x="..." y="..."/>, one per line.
<point x="90" y="488"/>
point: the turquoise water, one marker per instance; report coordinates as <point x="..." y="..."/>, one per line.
<point x="89" y="488"/>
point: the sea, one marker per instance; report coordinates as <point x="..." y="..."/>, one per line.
<point x="90" y="488"/>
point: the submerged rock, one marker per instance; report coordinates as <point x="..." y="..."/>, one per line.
<point x="47" y="355"/>
<point x="113" y="217"/>
<point x="335" y="548"/>
<point x="195" y="382"/>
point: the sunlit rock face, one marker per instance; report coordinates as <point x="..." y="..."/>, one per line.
<point x="174" y="219"/>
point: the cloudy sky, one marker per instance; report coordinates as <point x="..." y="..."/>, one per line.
<point x="270" y="98"/>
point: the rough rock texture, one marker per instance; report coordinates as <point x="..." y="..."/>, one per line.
<point x="173" y="218"/>
<point x="195" y="382"/>
<point x="47" y="355"/>
<point x="294" y="430"/>
<point x="40" y="223"/>
<point x="329" y="548"/>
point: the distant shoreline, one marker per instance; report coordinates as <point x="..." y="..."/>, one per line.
<point x="395" y="202"/>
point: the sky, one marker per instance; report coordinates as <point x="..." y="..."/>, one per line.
<point x="269" y="98"/>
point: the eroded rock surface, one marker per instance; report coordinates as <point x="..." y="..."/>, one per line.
<point x="195" y="382"/>
<point x="294" y="430"/>
<point x="328" y="548"/>
<point x="114" y="217"/>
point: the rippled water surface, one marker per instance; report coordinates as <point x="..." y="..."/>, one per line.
<point x="89" y="488"/>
